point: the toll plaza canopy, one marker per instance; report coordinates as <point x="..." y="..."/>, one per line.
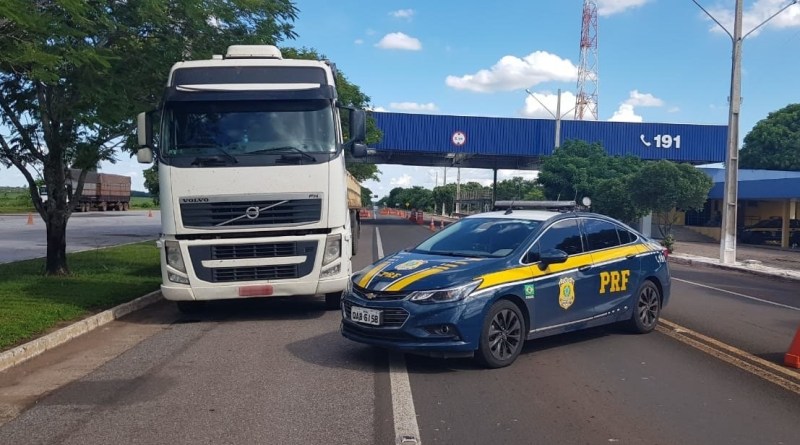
<point x="520" y="143"/>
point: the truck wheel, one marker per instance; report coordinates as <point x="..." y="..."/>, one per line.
<point x="190" y="307"/>
<point x="333" y="300"/>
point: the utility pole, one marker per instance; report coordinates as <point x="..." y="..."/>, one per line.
<point x="458" y="190"/>
<point x="727" y="250"/>
<point x="557" y="116"/>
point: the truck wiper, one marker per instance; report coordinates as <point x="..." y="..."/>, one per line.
<point x="223" y="150"/>
<point x="287" y="148"/>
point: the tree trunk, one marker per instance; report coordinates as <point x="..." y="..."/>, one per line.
<point x="56" y="243"/>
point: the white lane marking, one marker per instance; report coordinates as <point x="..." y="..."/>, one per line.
<point x="738" y="294"/>
<point x="406" y="430"/>
<point x="380" y="244"/>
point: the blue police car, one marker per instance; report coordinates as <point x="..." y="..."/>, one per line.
<point x="487" y="283"/>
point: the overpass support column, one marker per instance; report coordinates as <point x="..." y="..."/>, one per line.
<point x="789" y="211"/>
<point x="494" y="188"/>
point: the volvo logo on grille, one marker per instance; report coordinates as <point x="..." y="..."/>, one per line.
<point x="252" y="212"/>
<point x="193" y="200"/>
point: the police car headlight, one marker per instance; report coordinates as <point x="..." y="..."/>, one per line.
<point x="444" y="295"/>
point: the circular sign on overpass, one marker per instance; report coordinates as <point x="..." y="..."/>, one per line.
<point x="459" y="138"/>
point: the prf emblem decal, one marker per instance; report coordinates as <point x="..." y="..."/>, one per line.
<point x="566" y="292"/>
<point x="410" y="265"/>
<point x="530" y="291"/>
<point x="614" y="281"/>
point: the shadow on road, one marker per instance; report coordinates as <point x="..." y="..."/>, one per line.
<point x="331" y="350"/>
<point x="289" y="308"/>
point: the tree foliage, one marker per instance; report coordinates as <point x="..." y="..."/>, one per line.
<point x="774" y="142"/>
<point x="520" y="189"/>
<point x="665" y="186"/>
<point x="578" y="169"/>
<point x="73" y="74"/>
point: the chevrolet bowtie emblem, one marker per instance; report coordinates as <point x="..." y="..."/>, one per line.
<point x="369" y="295"/>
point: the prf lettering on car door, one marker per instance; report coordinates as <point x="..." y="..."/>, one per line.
<point x="614" y="281"/>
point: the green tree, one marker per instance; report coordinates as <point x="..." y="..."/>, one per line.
<point x="74" y="73"/>
<point x="520" y="189"/>
<point x="151" y="182"/>
<point x="366" y="197"/>
<point x="774" y="142"/>
<point x="578" y="169"/>
<point x="665" y="186"/>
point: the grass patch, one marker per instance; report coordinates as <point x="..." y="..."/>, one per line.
<point x="32" y="304"/>
<point x="15" y="200"/>
<point x="143" y="202"/>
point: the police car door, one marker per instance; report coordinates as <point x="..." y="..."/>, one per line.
<point x="616" y="265"/>
<point x="561" y="292"/>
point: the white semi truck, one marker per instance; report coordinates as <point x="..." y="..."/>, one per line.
<point x="253" y="186"/>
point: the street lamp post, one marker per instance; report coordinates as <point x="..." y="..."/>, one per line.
<point x="727" y="253"/>
<point x="557" y="116"/>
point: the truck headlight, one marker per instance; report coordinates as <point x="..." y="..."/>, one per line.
<point x="444" y="295"/>
<point x="333" y="249"/>
<point x="174" y="256"/>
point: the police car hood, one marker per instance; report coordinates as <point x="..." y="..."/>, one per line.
<point x="407" y="271"/>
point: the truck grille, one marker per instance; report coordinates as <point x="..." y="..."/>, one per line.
<point x="222" y="275"/>
<point x="392" y="317"/>
<point x="200" y="253"/>
<point x="234" y="251"/>
<point x="242" y="213"/>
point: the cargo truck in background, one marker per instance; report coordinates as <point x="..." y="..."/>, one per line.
<point x="101" y="191"/>
<point x="255" y="197"/>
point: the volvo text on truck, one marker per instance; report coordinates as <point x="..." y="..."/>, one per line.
<point x="253" y="185"/>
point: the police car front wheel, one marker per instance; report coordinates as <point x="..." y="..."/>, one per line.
<point x="502" y="335"/>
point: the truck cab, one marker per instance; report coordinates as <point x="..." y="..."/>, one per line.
<point x="253" y="184"/>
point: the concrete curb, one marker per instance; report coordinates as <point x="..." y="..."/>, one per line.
<point x="33" y="348"/>
<point x="755" y="269"/>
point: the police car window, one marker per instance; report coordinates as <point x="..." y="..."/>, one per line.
<point x="562" y="235"/>
<point x="600" y="234"/>
<point x="480" y="237"/>
<point x="625" y="236"/>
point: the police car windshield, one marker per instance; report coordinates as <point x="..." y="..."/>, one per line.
<point x="480" y="237"/>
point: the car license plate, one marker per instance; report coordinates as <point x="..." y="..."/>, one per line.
<point x="366" y="316"/>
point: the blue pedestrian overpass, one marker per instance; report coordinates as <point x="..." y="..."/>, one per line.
<point x="519" y="143"/>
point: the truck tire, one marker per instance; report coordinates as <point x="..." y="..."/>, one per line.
<point x="333" y="300"/>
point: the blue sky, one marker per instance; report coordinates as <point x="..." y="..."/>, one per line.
<point x="659" y="61"/>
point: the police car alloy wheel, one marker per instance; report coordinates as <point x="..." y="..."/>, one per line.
<point x="502" y="336"/>
<point x="646" y="308"/>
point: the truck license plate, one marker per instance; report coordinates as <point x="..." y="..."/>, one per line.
<point x="366" y="316"/>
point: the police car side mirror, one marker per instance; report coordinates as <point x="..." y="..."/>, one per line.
<point x="552" y="256"/>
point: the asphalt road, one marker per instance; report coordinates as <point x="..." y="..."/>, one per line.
<point x="85" y="231"/>
<point x="277" y="371"/>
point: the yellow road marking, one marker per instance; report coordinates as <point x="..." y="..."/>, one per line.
<point x="768" y="371"/>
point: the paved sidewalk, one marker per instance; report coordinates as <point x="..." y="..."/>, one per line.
<point x="759" y="260"/>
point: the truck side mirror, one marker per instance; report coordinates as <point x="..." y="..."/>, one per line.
<point x="358" y="125"/>
<point x="359" y="150"/>
<point x="144" y="155"/>
<point x="144" y="130"/>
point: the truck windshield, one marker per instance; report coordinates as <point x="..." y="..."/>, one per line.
<point x="238" y="130"/>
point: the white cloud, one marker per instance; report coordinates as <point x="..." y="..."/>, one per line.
<point x="534" y="109"/>
<point x="514" y="73"/>
<point x="359" y="41"/>
<point x="402" y="181"/>
<point x="759" y="11"/>
<point x="638" y="99"/>
<point x="398" y="40"/>
<point x="625" y="113"/>
<point x="413" y="106"/>
<point x="377" y="109"/>
<point x="673" y="110"/>
<point x="406" y="14"/>
<point x="606" y="8"/>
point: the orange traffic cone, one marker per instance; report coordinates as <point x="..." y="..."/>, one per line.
<point x="792" y="358"/>
<point x="30" y="219"/>
<point x="149" y="213"/>
<point x="433" y="227"/>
